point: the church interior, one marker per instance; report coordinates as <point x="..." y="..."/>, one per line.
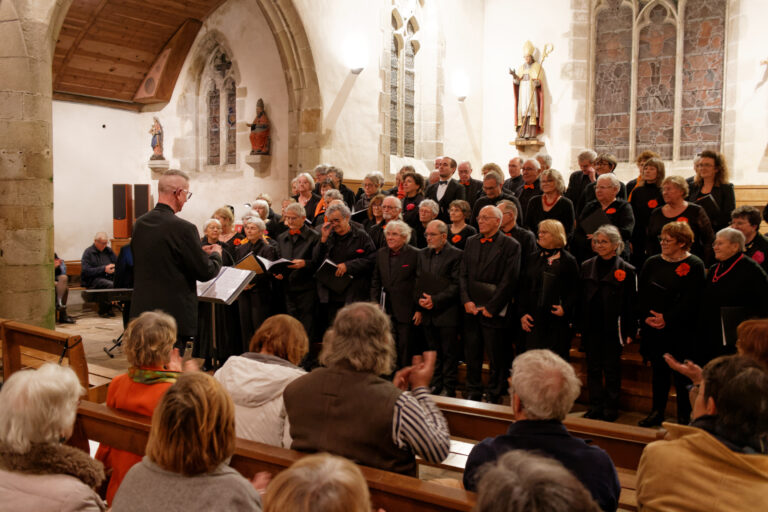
<point x="100" y="93"/>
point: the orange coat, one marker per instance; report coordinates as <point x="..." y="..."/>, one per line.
<point x="126" y="395"/>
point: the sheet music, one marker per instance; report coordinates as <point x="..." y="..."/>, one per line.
<point x="226" y="286"/>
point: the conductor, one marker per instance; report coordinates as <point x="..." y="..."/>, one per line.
<point x="168" y="258"/>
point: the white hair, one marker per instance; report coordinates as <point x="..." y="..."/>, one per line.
<point x="432" y="205"/>
<point x="253" y="218"/>
<point x="612" y="233"/>
<point x="376" y="177"/>
<point x="395" y="200"/>
<point x="338" y="207"/>
<point x="615" y="183"/>
<point x="38" y="406"/>
<point x="296" y="209"/>
<point x="546" y="385"/>
<point x="401" y="227"/>
<point x="309" y="178"/>
<point x="332" y="194"/>
<point x="209" y="222"/>
<point x="260" y="202"/>
<point x="734" y="236"/>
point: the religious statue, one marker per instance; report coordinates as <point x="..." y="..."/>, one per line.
<point x="260" y="131"/>
<point x="529" y="97"/>
<point x="157" y="140"/>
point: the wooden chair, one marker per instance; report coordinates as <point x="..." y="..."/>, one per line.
<point x="28" y="346"/>
<point x="390" y="491"/>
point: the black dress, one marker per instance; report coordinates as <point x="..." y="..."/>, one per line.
<point x="673" y="289"/>
<point x="736" y="290"/>
<point x="227" y="320"/>
<point x="459" y="240"/>
<point x="255" y="303"/>
<point x="562" y="211"/>
<point x="551" y="278"/>
<point x="696" y="217"/>
<point x="757" y="249"/>
<point x="722" y="204"/>
<point x="411" y="210"/>
<point x="643" y="199"/>
<point x="620" y="215"/>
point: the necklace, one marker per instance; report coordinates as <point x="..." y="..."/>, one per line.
<point x="547" y="203"/>
<point x="684" y="255"/>
<point x="716" y="278"/>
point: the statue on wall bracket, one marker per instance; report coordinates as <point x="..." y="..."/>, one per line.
<point x="157" y="140"/>
<point x="260" y="131"/>
<point x="529" y="96"/>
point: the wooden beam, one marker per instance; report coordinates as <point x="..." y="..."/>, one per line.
<point x="101" y="102"/>
<point x="91" y="20"/>
<point x="160" y="81"/>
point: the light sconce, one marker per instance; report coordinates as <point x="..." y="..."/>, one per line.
<point x="355" y="53"/>
<point x="356" y="71"/>
<point x="460" y="85"/>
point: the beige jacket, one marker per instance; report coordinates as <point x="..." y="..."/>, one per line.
<point x="49" y="478"/>
<point x="692" y="471"/>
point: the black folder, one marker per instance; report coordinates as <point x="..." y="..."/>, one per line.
<point x="594" y="220"/>
<point x="709" y="204"/>
<point x="360" y="216"/>
<point x="549" y="295"/>
<point x="326" y="274"/>
<point x="730" y="318"/>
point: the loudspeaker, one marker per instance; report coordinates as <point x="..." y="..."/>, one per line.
<point x="142" y="200"/>
<point x="122" y="211"/>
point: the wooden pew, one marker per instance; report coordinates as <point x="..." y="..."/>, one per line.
<point x="390" y="491"/>
<point x="476" y="421"/>
<point x="26" y="346"/>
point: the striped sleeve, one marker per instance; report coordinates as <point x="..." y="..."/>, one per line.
<point x="419" y="425"/>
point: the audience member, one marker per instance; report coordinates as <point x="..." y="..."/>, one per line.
<point x="97" y="269"/>
<point x="155" y="366"/>
<point x="61" y="283"/>
<point x="256" y="380"/>
<point x="319" y="483"/>
<point x="37" y="471"/>
<point x="190" y="443"/>
<point x="718" y="462"/>
<point x="345" y="407"/>
<point x="543" y="388"/>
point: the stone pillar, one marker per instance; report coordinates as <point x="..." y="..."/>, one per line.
<point x="28" y="31"/>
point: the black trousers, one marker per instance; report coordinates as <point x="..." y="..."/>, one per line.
<point x="444" y="340"/>
<point x="301" y="305"/>
<point x="102" y="283"/>
<point x="603" y="360"/>
<point x="663" y="376"/>
<point x="254" y="307"/>
<point x="480" y="338"/>
<point x="408" y="342"/>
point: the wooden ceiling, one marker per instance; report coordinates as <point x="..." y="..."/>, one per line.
<point x="106" y="48"/>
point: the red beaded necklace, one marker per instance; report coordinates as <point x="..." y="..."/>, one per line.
<point x="716" y="278"/>
<point x="547" y="203"/>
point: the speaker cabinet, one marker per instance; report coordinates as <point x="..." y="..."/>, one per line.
<point x="142" y="200"/>
<point x="122" y="210"/>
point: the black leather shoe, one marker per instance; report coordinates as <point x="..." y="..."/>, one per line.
<point x="652" y="420"/>
<point x="594" y="414"/>
<point x="610" y="416"/>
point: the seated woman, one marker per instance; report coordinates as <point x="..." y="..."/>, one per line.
<point x="674" y="190"/>
<point x="459" y="211"/>
<point x="256" y="380"/>
<point x="38" y="472"/>
<point x="155" y="366"/>
<point x="548" y="292"/>
<point x="617" y="211"/>
<point x="185" y="466"/>
<point x="669" y="294"/>
<point x="319" y="483"/>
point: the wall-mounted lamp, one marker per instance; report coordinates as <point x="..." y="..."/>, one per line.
<point x="355" y="53"/>
<point x="356" y="71"/>
<point x="462" y="98"/>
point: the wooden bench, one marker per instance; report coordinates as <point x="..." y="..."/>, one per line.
<point x="476" y="421"/>
<point x="29" y="346"/>
<point x="390" y="491"/>
<point x="74" y="269"/>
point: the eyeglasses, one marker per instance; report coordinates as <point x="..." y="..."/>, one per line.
<point x="189" y="194"/>
<point x="595" y="241"/>
<point x="388" y="207"/>
<point x="289" y="218"/>
<point x="666" y="240"/>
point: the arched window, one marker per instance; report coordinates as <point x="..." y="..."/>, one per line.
<point x="221" y="110"/>
<point x="402" y="83"/>
<point x="650" y="91"/>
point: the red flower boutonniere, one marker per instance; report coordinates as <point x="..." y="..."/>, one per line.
<point x="759" y="257"/>
<point x="682" y="219"/>
<point x="620" y="275"/>
<point x="683" y="269"/>
<point x="653" y="203"/>
<point x="359" y="251"/>
<point x="410" y="207"/>
<point x="456" y="239"/>
<point x="610" y="211"/>
<point x="236" y="241"/>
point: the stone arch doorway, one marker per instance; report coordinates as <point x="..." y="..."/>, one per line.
<point x="26" y="165"/>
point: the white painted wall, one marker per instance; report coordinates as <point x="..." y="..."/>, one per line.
<point x="89" y="158"/>
<point x="508" y="25"/>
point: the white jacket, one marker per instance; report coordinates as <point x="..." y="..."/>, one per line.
<point x="256" y="383"/>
